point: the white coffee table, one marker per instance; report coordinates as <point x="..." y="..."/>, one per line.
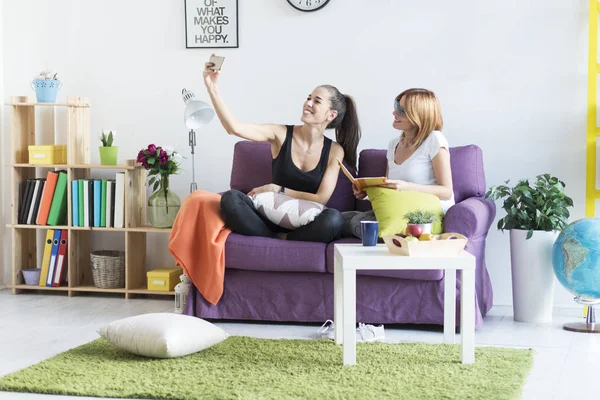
<point x="351" y="257"/>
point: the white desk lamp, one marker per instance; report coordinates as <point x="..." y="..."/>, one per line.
<point x="196" y="114"/>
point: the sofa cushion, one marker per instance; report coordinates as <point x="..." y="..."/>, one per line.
<point x="468" y="177"/>
<point x="343" y="198"/>
<point x="371" y="162"/>
<point x="285" y="211"/>
<point x="252" y="168"/>
<point x="265" y="254"/>
<point x="251" y="165"/>
<point x="419" y="275"/>
<point x="391" y="206"/>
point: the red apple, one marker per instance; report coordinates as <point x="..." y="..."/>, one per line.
<point x="414" y="230"/>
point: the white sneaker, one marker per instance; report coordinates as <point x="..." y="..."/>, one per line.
<point x="364" y="332"/>
<point x="327" y="331"/>
<point x="371" y="333"/>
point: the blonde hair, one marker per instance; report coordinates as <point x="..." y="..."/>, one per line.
<point x="423" y="111"/>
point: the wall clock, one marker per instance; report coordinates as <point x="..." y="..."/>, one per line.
<point x="308" y="5"/>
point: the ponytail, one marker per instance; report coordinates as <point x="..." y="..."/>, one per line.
<point x="347" y="134"/>
<point x="346" y="125"/>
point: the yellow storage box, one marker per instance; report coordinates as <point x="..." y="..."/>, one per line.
<point x="48" y="154"/>
<point x="163" y="279"/>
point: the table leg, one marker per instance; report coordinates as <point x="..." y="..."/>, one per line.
<point x="467" y="316"/>
<point x="338" y="300"/>
<point x="349" y="318"/>
<point x="449" y="305"/>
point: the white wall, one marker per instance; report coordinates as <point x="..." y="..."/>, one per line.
<point x="511" y="79"/>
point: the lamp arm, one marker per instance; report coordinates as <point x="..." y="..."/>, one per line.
<point x="192" y="142"/>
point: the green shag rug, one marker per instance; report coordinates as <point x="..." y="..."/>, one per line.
<point x="250" y="368"/>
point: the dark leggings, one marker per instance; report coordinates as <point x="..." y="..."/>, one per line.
<point x="241" y="217"/>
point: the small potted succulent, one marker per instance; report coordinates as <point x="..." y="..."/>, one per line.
<point x="108" y="152"/>
<point x="419" y="222"/>
<point x="46" y="85"/>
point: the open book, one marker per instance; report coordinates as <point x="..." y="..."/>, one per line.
<point x="362" y="183"/>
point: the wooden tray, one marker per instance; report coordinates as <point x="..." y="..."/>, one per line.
<point x="442" y="246"/>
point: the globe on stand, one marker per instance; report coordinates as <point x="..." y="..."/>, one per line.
<point x="576" y="263"/>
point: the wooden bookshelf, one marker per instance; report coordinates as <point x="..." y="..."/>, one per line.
<point x="28" y="287"/>
<point x="76" y="166"/>
<point x="146" y="229"/>
<point x="146" y="291"/>
<point x="56" y="166"/>
<point x="22" y="101"/>
<point x="24" y="237"/>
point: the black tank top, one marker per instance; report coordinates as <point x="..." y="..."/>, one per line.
<point x="287" y="174"/>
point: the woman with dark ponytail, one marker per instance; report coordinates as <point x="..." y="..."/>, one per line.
<point x="347" y="128"/>
<point x="304" y="161"/>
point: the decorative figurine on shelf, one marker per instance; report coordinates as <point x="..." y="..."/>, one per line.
<point x="46" y="86"/>
<point x="108" y="152"/>
<point x="181" y="293"/>
<point x="163" y="204"/>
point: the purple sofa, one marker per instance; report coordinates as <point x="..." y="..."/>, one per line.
<point x="276" y="280"/>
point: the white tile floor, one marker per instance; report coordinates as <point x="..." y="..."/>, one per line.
<point x="34" y="327"/>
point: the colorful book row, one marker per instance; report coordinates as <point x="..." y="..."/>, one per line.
<point x="98" y="202"/>
<point x="54" y="261"/>
<point x="44" y="200"/>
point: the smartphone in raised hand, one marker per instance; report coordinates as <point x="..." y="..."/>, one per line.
<point x="217" y="62"/>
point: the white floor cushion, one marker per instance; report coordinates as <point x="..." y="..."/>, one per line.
<point x="162" y="335"/>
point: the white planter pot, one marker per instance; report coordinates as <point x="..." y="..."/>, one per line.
<point x="532" y="275"/>
<point x="426" y="227"/>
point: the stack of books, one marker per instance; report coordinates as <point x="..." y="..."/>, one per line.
<point x="98" y="202"/>
<point x="44" y="200"/>
<point x="94" y="202"/>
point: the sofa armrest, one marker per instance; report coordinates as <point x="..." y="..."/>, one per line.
<point x="471" y="217"/>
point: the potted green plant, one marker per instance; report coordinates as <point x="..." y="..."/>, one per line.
<point x="108" y="152"/>
<point x="419" y="222"/>
<point x="535" y="215"/>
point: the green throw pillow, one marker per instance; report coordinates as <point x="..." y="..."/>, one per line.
<point x="390" y="206"/>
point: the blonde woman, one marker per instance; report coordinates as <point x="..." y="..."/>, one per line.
<point x="418" y="159"/>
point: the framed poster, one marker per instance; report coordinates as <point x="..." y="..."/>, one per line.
<point x="211" y="24"/>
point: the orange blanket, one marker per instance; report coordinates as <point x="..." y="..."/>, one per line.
<point x="197" y="242"/>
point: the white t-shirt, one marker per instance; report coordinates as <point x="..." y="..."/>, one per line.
<point x="418" y="168"/>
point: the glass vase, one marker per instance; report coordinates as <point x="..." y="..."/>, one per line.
<point x="163" y="205"/>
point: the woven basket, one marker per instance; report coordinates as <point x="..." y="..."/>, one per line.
<point x="108" y="269"/>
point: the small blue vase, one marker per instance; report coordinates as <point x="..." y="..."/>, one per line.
<point x="46" y="89"/>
